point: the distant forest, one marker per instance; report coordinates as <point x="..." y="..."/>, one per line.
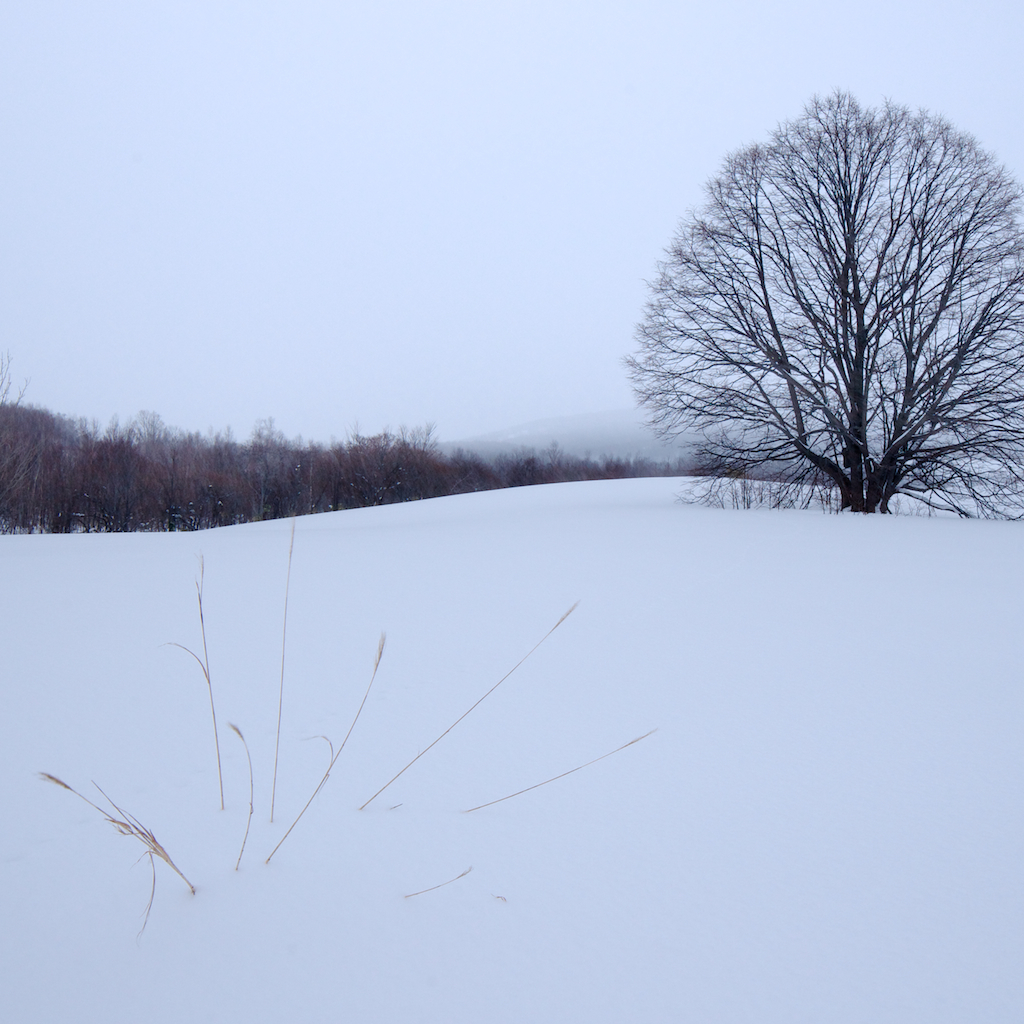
<point x="59" y="475"/>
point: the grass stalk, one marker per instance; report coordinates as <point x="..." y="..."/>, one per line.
<point x="152" y="896"/>
<point x="477" y="704"/>
<point x="204" y="665"/>
<point x="238" y="732"/>
<point x="490" y="803"/>
<point x="280" y="696"/>
<point x="128" y="825"/>
<point x="335" y="756"/>
<point x="441" y="886"/>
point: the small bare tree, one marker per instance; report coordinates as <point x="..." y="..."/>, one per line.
<point x="16" y="456"/>
<point x="848" y="306"/>
<point x="7" y="382"/>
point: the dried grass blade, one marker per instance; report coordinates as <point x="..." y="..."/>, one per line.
<point x="248" y="822"/>
<point x="476" y="705"/>
<point x="327" y="774"/>
<point x="280" y="696"/>
<point x="209" y="684"/>
<point x="490" y="803"/>
<point x="204" y="665"/>
<point x="441" y="886"/>
<point x="152" y="895"/>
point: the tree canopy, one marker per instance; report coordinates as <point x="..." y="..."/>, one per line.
<point x="848" y="307"/>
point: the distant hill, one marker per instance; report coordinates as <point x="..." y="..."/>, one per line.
<point x="620" y="433"/>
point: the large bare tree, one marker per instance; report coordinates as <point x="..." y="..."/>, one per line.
<point x="848" y="306"/>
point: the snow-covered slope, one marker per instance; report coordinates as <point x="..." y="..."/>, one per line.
<point x="827" y="825"/>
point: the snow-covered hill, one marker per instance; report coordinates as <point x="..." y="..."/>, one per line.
<point x="827" y="825"/>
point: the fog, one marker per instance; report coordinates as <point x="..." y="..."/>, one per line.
<point x="343" y="215"/>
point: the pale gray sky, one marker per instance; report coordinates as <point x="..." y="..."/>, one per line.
<point x="397" y="212"/>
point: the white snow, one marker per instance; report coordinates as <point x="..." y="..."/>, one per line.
<point x="827" y="825"/>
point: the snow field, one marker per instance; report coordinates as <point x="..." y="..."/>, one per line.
<point x="826" y="826"/>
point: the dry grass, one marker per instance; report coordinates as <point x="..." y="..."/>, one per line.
<point x="443" y="884"/>
<point x="128" y="825"/>
<point x="562" y="776"/>
<point x="280" y="696"/>
<point x="238" y="733"/>
<point x="476" y="705"/>
<point x="335" y="756"/>
<point x="204" y="665"/>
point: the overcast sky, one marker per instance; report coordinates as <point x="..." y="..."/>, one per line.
<point x="389" y="213"/>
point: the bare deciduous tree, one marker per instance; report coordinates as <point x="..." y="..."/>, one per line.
<point x="848" y="306"/>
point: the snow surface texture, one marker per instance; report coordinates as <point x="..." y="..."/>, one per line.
<point x="825" y="827"/>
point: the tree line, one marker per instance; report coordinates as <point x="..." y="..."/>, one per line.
<point x="60" y="475"/>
